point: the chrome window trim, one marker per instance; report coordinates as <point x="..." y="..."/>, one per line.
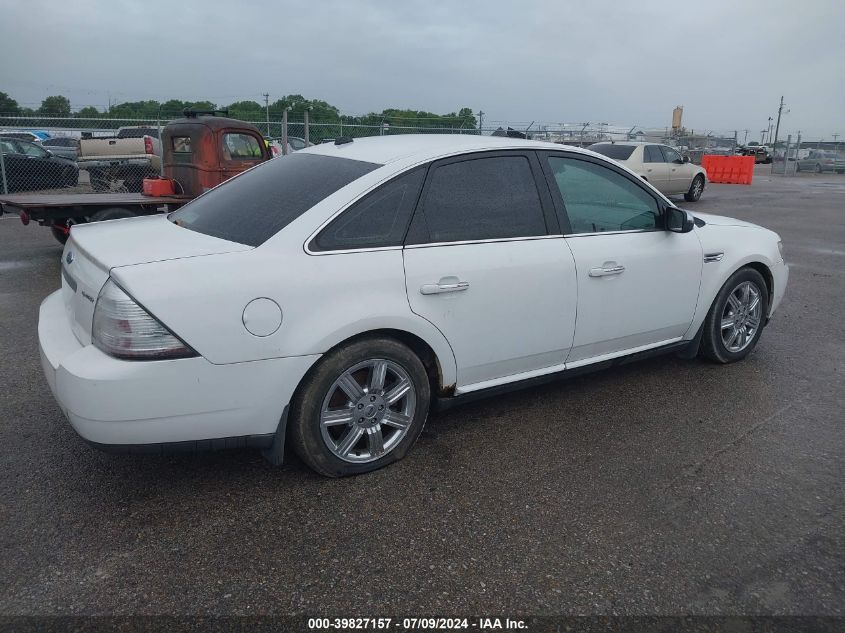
<point x="497" y="240"/>
<point x="349" y="251"/>
<point x="626" y="231"/>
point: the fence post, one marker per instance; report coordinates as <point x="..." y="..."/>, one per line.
<point x="307" y="131"/>
<point x="3" y="172"/>
<point x="285" y="131"/>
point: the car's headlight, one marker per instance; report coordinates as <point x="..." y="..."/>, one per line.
<point x="125" y="330"/>
<point x="780" y="250"/>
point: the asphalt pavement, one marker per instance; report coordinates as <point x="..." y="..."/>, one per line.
<point x="662" y="487"/>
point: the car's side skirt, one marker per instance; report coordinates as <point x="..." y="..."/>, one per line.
<point x="441" y="404"/>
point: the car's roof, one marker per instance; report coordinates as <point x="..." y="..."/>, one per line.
<point x="387" y="149"/>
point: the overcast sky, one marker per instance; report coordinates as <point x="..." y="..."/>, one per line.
<point x="625" y="63"/>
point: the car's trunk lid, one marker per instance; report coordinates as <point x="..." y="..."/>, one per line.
<point x="94" y="249"/>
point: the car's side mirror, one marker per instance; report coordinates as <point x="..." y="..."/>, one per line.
<point x="686" y="159"/>
<point x="678" y="220"/>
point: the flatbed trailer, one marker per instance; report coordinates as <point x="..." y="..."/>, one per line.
<point x="60" y="212"/>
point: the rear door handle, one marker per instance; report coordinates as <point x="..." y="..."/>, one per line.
<point x="604" y="272"/>
<point x="447" y="284"/>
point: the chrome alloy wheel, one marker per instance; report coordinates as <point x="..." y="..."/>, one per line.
<point x="697" y="188"/>
<point x="741" y="317"/>
<point x="368" y="410"/>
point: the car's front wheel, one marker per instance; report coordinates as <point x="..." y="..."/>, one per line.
<point x="736" y="318"/>
<point x="362" y="407"/>
<point x="695" y="189"/>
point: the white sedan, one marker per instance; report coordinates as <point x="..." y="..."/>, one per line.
<point x="332" y="297"/>
<point x="661" y="165"/>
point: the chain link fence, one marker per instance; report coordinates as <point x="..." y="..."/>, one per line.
<point x="101" y="155"/>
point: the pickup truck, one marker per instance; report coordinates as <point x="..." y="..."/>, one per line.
<point x="130" y="156"/>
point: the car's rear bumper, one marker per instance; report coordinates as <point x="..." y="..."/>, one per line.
<point x="131" y="403"/>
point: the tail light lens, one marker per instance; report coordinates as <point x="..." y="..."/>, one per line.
<point x="148" y="145"/>
<point x="123" y="329"/>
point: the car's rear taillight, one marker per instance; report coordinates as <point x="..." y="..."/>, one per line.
<point x="148" y="145"/>
<point x="125" y="330"/>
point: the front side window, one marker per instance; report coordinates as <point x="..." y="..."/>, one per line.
<point x="482" y="199"/>
<point x="671" y="155"/>
<point x="599" y="199"/>
<point x="651" y="154"/>
<point x="378" y="220"/>
<point x="255" y="205"/>
<point x="240" y="147"/>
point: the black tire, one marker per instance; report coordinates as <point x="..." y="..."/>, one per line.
<point x="712" y="346"/>
<point x="113" y="213"/>
<point x="797" y="167"/>
<point x="818" y="168"/>
<point x="304" y="424"/>
<point x="696" y="188"/>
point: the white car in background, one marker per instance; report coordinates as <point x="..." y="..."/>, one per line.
<point x="661" y="165"/>
<point x="332" y="298"/>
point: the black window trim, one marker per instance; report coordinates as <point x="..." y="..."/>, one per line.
<point x="561" y="207"/>
<point x="371" y="191"/>
<point x="550" y="218"/>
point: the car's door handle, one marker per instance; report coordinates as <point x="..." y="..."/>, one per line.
<point x="608" y="270"/>
<point x="447" y="284"/>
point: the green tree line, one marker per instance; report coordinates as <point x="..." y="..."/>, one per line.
<point x="319" y="111"/>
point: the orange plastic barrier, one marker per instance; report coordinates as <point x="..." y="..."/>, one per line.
<point x="729" y="170"/>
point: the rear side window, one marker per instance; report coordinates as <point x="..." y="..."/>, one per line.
<point x="378" y="220"/>
<point x="181" y="144"/>
<point x="611" y="150"/>
<point x="254" y="206"/>
<point x="483" y="198"/>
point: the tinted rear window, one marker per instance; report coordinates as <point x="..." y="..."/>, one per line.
<point x="253" y="207"/>
<point x="611" y="150"/>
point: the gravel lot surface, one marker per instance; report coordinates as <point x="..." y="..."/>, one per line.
<point x="665" y="487"/>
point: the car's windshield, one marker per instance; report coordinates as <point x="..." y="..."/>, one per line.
<point x="612" y="150"/>
<point x="259" y="203"/>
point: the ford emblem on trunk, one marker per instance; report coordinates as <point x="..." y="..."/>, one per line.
<point x="69" y="257"/>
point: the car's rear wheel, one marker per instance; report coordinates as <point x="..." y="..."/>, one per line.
<point x="695" y="189"/>
<point x="736" y="318"/>
<point x="361" y="407"/>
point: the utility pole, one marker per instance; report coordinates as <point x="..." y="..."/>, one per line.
<point x="267" y="108"/>
<point x="745" y="140"/>
<point x="777" y="127"/>
<point x="480" y="121"/>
